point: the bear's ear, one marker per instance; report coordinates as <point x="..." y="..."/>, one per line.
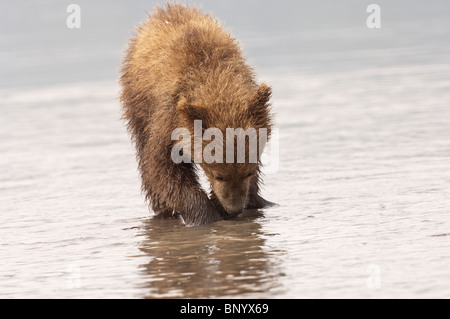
<point x="187" y="113"/>
<point x="259" y="106"/>
<point x="262" y="95"/>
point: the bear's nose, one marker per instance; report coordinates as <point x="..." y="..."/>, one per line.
<point x="234" y="212"/>
<point x="234" y="209"/>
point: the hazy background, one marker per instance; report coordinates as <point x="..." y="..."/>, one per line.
<point x="363" y="186"/>
<point x="278" y="36"/>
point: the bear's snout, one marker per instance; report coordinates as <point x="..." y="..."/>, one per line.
<point x="234" y="205"/>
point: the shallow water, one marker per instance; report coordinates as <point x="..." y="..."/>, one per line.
<point x="363" y="185"/>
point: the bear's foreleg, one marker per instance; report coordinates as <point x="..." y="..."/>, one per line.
<point x="174" y="188"/>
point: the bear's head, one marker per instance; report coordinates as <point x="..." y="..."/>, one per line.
<point x="233" y="131"/>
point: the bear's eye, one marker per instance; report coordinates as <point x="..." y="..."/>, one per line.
<point x="249" y="175"/>
<point x="220" y="178"/>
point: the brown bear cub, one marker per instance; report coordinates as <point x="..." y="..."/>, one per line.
<point x="183" y="66"/>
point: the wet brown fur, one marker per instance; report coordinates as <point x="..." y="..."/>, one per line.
<point x="182" y="65"/>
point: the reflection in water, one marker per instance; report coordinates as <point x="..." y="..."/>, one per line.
<point x="226" y="259"/>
